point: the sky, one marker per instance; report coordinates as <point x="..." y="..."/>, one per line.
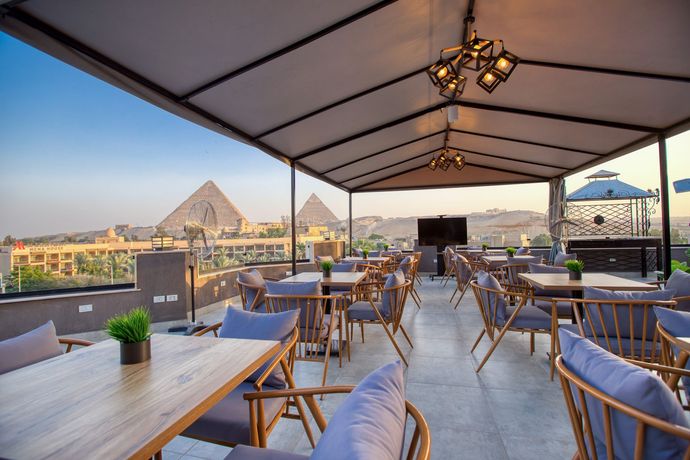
<point x="77" y="154"/>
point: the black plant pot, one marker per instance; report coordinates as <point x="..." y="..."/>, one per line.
<point x="133" y="353"/>
<point x="327" y="273"/>
<point x="510" y="255"/>
<point x="575" y="275"/>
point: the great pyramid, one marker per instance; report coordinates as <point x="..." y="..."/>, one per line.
<point x="314" y="212"/>
<point x="226" y="212"/>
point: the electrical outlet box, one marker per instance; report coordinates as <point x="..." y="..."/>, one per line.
<point x="222" y="283"/>
<point x="158" y="298"/>
<point x="85" y="308"/>
<point x="171" y="298"/>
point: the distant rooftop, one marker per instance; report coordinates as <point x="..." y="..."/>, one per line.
<point x="604" y="186"/>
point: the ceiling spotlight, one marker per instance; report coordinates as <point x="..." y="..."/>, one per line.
<point x="454" y="88"/>
<point x="433" y="164"/>
<point x="459" y="161"/>
<point x="477" y="53"/>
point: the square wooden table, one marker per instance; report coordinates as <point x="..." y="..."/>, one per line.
<point x="337" y="279"/>
<point x="368" y="260"/>
<point x="86" y="404"/>
<point x="496" y="261"/>
<point x="561" y="282"/>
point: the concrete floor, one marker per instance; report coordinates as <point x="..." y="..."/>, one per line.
<point x="509" y="411"/>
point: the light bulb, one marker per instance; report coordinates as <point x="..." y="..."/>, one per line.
<point x="442" y="72"/>
<point x="451" y="86"/>
<point x="474" y="54"/>
<point x="488" y="77"/>
<point x="502" y="63"/>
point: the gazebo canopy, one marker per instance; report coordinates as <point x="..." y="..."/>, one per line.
<point x="338" y="89"/>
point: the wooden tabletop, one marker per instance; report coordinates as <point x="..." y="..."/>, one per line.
<point x="504" y="258"/>
<point x="561" y="281"/>
<point x="86" y="404"/>
<point x="340" y="279"/>
<point x="377" y="260"/>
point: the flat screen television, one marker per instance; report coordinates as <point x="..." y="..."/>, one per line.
<point x="441" y="231"/>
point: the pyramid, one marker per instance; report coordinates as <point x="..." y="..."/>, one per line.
<point x="314" y="212"/>
<point x="226" y="212"/>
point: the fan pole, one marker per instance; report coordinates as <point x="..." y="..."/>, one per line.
<point x="191" y="272"/>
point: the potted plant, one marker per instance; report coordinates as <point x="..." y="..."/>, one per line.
<point x="326" y="267"/>
<point x="575" y="268"/>
<point x="485" y="246"/>
<point x="511" y="251"/>
<point x="386" y="246"/>
<point x="132" y="331"/>
<point x="365" y="254"/>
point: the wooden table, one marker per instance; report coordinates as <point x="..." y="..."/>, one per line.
<point x="496" y="261"/>
<point x="337" y="279"/>
<point x="368" y="260"/>
<point x="561" y="282"/>
<point x="86" y="404"/>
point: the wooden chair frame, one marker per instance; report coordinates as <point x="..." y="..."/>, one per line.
<point x="259" y="428"/>
<point x="491" y="325"/>
<point x="260" y="293"/>
<point x="670" y="358"/>
<point x="448" y="256"/>
<point x="71" y="342"/>
<point x="420" y="444"/>
<point x="313" y="308"/>
<point x="616" y="307"/>
<point x="582" y="424"/>
<point x="398" y="295"/>
<point x="461" y="285"/>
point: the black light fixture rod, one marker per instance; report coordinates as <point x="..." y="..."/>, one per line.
<point x="288" y="49"/>
<point x="469" y="19"/>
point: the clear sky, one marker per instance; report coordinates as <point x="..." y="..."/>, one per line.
<point x="77" y="154"/>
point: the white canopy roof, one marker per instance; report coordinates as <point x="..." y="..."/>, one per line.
<point x="338" y="88"/>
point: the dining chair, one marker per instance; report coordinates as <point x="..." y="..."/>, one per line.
<point x="369" y="424"/>
<point x="316" y="324"/>
<point x="418" y="259"/>
<point x="448" y="255"/>
<point x="522" y="251"/>
<point x="465" y="271"/>
<point x="510" y="279"/>
<point x="34" y="346"/>
<point x="542" y="298"/>
<point x="674" y="333"/>
<point x="231" y="422"/>
<point x="388" y="312"/>
<point x="622" y="322"/>
<point x="408" y="266"/>
<point x="343" y="267"/>
<point x="252" y="288"/>
<point x="618" y="410"/>
<point x="562" y="257"/>
<point x="679" y="281"/>
<point x="319" y="259"/>
<point x="500" y="318"/>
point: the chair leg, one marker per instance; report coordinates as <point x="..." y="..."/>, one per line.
<point x="451" y="297"/>
<point x="505" y="329"/>
<point x="390" y="336"/>
<point x="476" y="342"/>
<point x="340" y="343"/>
<point x="327" y="359"/>
<point x="531" y="343"/>
<point x="361" y="329"/>
<point x="158" y="455"/>
<point x="298" y="403"/>
<point x="462" y="294"/>
<point x="406" y="335"/>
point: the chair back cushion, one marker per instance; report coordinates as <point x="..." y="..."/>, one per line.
<point x="522" y="252"/>
<point x="524" y="260"/>
<point x="679" y="281"/>
<point x="319" y="259"/>
<point x="464" y="273"/>
<point x="240" y="324"/>
<point x="622" y="312"/>
<point x="255" y="279"/>
<point x="562" y="257"/>
<point x="630" y="385"/>
<point x="389" y="297"/>
<point x="374" y="253"/>
<point x="406" y="265"/>
<point x="541" y="268"/>
<point x="307" y="319"/>
<point x="344" y="267"/>
<point x="370" y="423"/>
<point x="358" y="252"/>
<point x="29" y="348"/>
<point x="492" y="301"/>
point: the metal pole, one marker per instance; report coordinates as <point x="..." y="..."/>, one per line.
<point x="665" y="207"/>
<point x="349" y="223"/>
<point x="292" y="219"/>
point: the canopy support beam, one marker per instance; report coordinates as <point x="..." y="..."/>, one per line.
<point x="521" y="141"/>
<point x="619" y="72"/>
<point x="293" y="224"/>
<point x="392" y="165"/>
<point x="665" y="206"/>
<point x="349" y="223"/>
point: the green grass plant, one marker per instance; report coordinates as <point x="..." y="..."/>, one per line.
<point x="576" y="266"/>
<point x="132" y="327"/>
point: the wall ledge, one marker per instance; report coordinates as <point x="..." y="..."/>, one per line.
<point x="64" y="296"/>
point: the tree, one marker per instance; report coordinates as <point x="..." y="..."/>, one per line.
<point x="676" y="237"/>
<point x="117" y="262"/>
<point x="541" y="240"/>
<point x="32" y="279"/>
<point x="221" y="260"/>
<point x="376" y="236"/>
<point x="81" y="262"/>
<point x="276" y="232"/>
<point x="8" y="241"/>
<point x="98" y="266"/>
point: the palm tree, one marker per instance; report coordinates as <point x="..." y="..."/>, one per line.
<point x="117" y="262"/>
<point x="132" y="265"/>
<point x="81" y="262"/>
<point x="98" y="266"/>
<point x="221" y="260"/>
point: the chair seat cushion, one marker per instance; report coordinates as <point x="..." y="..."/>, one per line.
<point x="530" y="317"/>
<point x="29" y="348"/>
<point x="228" y="420"/>
<point x="631" y="385"/>
<point x="361" y="310"/>
<point x="306" y="334"/>
<point x="240" y="324"/>
<point x="370" y="423"/>
<point x="255" y="453"/>
<point x="564" y="309"/>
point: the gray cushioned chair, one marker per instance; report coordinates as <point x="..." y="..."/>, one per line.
<point x="543" y="297"/>
<point x="679" y="281"/>
<point x="388" y="312"/>
<point x="561" y="258"/>
<point x="618" y="410"/>
<point x="606" y="320"/>
<point x="498" y="316"/>
<point x="522" y="251"/>
<point x="34" y="346"/>
<point x="229" y="422"/>
<point x="369" y="423"/>
<point x="672" y="325"/>
<point x="343" y="267"/>
<point x="252" y="287"/>
<point x="465" y="271"/>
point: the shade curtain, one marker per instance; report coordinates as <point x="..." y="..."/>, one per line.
<point x="556" y="215"/>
